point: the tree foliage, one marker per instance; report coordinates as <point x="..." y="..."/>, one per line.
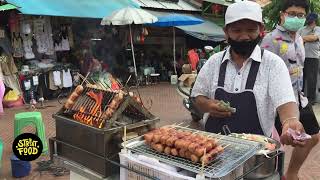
<point x="271" y="12"/>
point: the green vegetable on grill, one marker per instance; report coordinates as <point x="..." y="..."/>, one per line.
<point x="226" y="105"/>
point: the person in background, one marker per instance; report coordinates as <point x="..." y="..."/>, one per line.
<point x="88" y="63"/>
<point x="3" y="58"/>
<point x="193" y="59"/>
<point x="180" y="63"/>
<point x="310" y="35"/>
<point x="288" y="44"/>
<point x="254" y="81"/>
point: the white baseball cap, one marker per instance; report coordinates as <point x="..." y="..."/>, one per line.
<point x="243" y="10"/>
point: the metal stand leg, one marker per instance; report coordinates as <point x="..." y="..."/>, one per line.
<point x="281" y="164"/>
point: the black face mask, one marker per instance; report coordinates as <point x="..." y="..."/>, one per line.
<point x="244" y="48"/>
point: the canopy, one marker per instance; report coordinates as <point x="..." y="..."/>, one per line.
<point x="207" y="31"/>
<point x="71" y="8"/>
<point x="7" y="7"/>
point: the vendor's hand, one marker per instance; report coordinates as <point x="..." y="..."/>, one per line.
<point x="216" y="110"/>
<point x="286" y="138"/>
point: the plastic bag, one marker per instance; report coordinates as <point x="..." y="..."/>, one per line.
<point x="12" y="95"/>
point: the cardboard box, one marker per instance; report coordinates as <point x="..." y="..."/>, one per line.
<point x="188" y="79"/>
<point x="186" y="69"/>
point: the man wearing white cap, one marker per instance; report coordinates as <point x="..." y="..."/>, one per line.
<point x="255" y="82"/>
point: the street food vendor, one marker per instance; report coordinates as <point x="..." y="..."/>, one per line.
<point x="254" y="81"/>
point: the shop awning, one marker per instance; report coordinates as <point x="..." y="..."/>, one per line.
<point x="7" y="7"/>
<point x="207" y="31"/>
<point x="71" y="8"/>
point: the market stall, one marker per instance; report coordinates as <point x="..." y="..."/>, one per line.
<point x="118" y="136"/>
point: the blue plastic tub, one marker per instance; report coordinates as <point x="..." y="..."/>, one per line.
<point x="19" y="168"/>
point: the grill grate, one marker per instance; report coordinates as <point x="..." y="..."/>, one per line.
<point x="237" y="152"/>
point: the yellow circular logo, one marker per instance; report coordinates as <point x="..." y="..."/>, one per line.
<point x="27" y="147"/>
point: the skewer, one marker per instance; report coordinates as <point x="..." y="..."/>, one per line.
<point x="84" y="79"/>
<point x="180" y="124"/>
<point x="125" y="138"/>
<point x="125" y="85"/>
<point x="186" y="126"/>
<point x="219" y="139"/>
<point x="226" y="146"/>
<point x="202" y="163"/>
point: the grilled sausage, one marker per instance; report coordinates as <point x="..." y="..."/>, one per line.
<point x="69" y="104"/>
<point x="79" y="89"/>
<point x="148" y="137"/>
<point x="192" y="147"/>
<point x="188" y="154"/>
<point x="163" y="139"/>
<point x="159" y="147"/>
<point x="194" y="158"/>
<point x="170" y="141"/>
<point x="182" y="153"/>
<point x="174" y="152"/>
<point x="156" y="138"/>
<point x="167" y="150"/>
<point x="199" y="151"/>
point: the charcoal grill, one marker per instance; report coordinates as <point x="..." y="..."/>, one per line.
<point x="94" y="147"/>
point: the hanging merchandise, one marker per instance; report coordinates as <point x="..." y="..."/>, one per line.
<point x="2" y="33"/>
<point x="7" y="65"/>
<point x="52" y="85"/>
<point x="27" y="45"/>
<point x="114" y="31"/>
<point x="40" y="35"/>
<point x="17" y="45"/>
<point x="145" y="31"/>
<point x="57" y="78"/>
<point x="67" y="79"/>
<point x="142" y="38"/>
<point x="25" y="26"/>
<point x="70" y="36"/>
<point x="14" y="19"/>
<point x="65" y="44"/>
<point x="61" y="42"/>
<point x="35" y="80"/>
<point x="27" y="85"/>
<point x="48" y="38"/>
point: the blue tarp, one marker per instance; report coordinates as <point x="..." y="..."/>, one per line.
<point x="71" y="8"/>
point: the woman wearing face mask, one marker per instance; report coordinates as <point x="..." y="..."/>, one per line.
<point x="288" y="44"/>
<point x="254" y="81"/>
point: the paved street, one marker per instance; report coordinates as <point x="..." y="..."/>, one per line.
<point x="164" y="101"/>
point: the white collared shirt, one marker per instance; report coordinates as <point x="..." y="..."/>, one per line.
<point x="272" y="87"/>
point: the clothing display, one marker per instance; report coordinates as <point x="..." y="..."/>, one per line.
<point x="27" y="45"/>
<point x="57" y="78"/>
<point x="40" y="35"/>
<point x="42" y="32"/>
<point x="17" y="45"/>
<point x="66" y="78"/>
<point x="52" y="85"/>
<point x="12" y="82"/>
<point x="7" y="65"/>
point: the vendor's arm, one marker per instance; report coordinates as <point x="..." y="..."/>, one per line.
<point x="202" y="89"/>
<point x="211" y="106"/>
<point x="282" y="95"/>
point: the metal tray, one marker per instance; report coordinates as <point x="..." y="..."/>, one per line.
<point x="236" y="153"/>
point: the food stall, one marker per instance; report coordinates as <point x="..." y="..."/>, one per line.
<point x="103" y="133"/>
